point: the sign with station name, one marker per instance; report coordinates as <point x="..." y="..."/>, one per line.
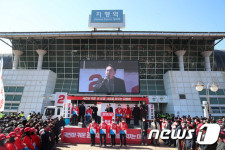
<point x="106" y="16"/>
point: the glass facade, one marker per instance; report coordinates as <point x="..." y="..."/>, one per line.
<point x="13" y="95"/>
<point x="156" y="57"/>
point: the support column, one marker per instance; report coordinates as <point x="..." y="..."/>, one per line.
<point x="17" y="54"/>
<point x="180" y="55"/>
<point x="206" y="55"/>
<point x="41" y="54"/>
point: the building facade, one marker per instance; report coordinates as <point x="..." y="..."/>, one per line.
<point x="169" y="63"/>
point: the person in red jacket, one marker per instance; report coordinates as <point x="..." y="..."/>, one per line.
<point x="128" y="113"/>
<point x="93" y="128"/>
<point x="113" y="130"/>
<point x="27" y="139"/>
<point x="35" y="138"/>
<point x="123" y="132"/>
<point x="119" y="113"/>
<point x="18" y="142"/>
<point x="11" y="142"/>
<point x="88" y="114"/>
<point x="3" y="142"/>
<point x="75" y="114"/>
<point x="103" y="129"/>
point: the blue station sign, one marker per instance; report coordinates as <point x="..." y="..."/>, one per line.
<point x="106" y="16"/>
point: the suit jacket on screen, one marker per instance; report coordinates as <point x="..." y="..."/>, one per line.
<point x="119" y="86"/>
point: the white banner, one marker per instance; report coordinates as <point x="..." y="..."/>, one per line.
<point x="2" y="93"/>
<point x="151" y="112"/>
<point x="61" y="98"/>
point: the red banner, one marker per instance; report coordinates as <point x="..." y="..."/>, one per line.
<point x="82" y="136"/>
<point x="100" y="98"/>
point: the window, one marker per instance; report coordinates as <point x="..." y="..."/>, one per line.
<point x="50" y="112"/>
<point x="9" y="97"/>
<point x="58" y="111"/>
<point x="215" y="109"/>
<point x="19" y="89"/>
<point x="12" y="89"/>
<point x="182" y="96"/>
<point x="17" y="97"/>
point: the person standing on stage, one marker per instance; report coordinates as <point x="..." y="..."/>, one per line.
<point x="82" y="110"/>
<point x="88" y="115"/>
<point x="123" y="132"/>
<point x="93" y="128"/>
<point x="136" y="114"/>
<point x="119" y="113"/>
<point x="113" y="130"/>
<point x="144" y="131"/>
<point x="128" y="114"/>
<point x="94" y="112"/>
<point x="109" y="108"/>
<point x="144" y="110"/>
<point x="75" y="112"/>
<point x="103" y="129"/>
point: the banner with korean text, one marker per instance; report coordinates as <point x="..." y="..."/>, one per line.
<point x="82" y="136"/>
<point x="2" y="94"/>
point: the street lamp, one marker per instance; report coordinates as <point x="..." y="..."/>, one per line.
<point x="213" y="86"/>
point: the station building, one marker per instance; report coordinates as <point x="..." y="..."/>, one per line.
<point x="170" y="63"/>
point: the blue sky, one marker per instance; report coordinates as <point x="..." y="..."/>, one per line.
<point x="141" y="15"/>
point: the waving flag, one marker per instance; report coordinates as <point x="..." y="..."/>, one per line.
<point x="2" y="94"/>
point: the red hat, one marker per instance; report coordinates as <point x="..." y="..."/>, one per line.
<point x="2" y="137"/>
<point x="11" y="134"/>
<point x="33" y="129"/>
<point x="27" y="129"/>
<point x="17" y="129"/>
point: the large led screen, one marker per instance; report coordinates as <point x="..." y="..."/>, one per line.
<point x="109" y="77"/>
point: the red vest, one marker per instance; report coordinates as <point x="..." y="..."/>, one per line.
<point x="75" y="109"/>
<point x="113" y="126"/>
<point x="128" y="113"/>
<point x="123" y="126"/>
<point x="28" y="142"/>
<point x="119" y="111"/>
<point x="89" y="111"/>
<point x="94" y="126"/>
<point x="36" y="140"/>
<point x="11" y="146"/>
<point x="18" y="142"/>
<point x="103" y="126"/>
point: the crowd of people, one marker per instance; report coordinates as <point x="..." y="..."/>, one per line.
<point x="29" y="133"/>
<point x="188" y="123"/>
<point x="34" y="133"/>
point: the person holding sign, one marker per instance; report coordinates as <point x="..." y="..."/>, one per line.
<point x="123" y="132"/>
<point x="93" y="127"/>
<point x="75" y="112"/>
<point x="119" y="113"/>
<point x="113" y="130"/>
<point x="128" y="112"/>
<point x="103" y="127"/>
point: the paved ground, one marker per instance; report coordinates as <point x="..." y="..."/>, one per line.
<point x="65" y="146"/>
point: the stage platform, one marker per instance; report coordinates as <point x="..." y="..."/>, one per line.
<point x="74" y="134"/>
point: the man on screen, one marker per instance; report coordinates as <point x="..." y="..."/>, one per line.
<point x="110" y="83"/>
